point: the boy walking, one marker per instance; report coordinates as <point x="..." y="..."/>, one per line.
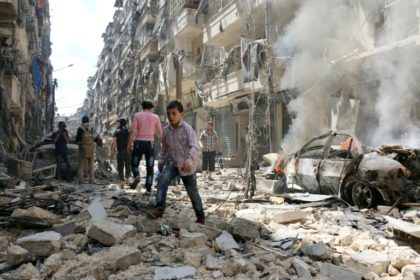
<point x="120" y="143"/>
<point x="209" y="142"/>
<point x="61" y="138"/>
<point x="145" y="125"/>
<point x="178" y="156"/>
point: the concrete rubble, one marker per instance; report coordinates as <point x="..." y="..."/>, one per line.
<point x="111" y="237"/>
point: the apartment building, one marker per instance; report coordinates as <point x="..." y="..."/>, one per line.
<point x="222" y="59"/>
<point x="26" y="86"/>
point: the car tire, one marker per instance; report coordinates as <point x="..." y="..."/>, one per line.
<point x="360" y="193"/>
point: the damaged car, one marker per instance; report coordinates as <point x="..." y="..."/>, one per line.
<point x="335" y="163"/>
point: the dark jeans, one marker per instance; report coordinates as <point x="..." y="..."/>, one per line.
<point x="66" y="159"/>
<point x="123" y="161"/>
<point x="190" y="183"/>
<point x="143" y="148"/>
<point x="209" y="161"/>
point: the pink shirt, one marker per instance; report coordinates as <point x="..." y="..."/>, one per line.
<point x="145" y="124"/>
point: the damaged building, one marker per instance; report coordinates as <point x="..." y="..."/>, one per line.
<point x="211" y="55"/>
<point x="26" y="84"/>
<point x="257" y="75"/>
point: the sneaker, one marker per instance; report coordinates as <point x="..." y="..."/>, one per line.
<point x="155" y="213"/>
<point x="148" y="193"/>
<point x="201" y="220"/>
<point x="134" y="184"/>
<point x="211" y="178"/>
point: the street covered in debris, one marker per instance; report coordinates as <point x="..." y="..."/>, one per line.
<point x="225" y="139"/>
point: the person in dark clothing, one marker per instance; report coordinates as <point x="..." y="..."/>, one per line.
<point x="61" y="138"/>
<point x="85" y="138"/>
<point x="120" y="143"/>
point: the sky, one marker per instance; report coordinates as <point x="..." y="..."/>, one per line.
<point x="76" y="35"/>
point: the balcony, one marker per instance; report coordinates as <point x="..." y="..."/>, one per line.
<point x="224" y="28"/>
<point x="223" y="87"/>
<point x="8" y="9"/>
<point x="13" y="90"/>
<point x="184" y="26"/>
<point x="149" y="50"/>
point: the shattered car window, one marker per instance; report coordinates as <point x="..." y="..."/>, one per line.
<point x="342" y="146"/>
<point x="314" y="149"/>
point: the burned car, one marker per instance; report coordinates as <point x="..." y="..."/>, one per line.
<point x="336" y="163"/>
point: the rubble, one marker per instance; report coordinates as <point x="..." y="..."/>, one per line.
<point x="41" y="244"/>
<point x="225" y="242"/>
<point x="192" y="239"/>
<point x="317" y="251"/>
<point x="35" y="214"/>
<point x="163" y="273"/>
<point x="333" y="272"/>
<point x="109" y="233"/>
<point x="302" y="269"/>
<point x="16" y="254"/>
<point x="368" y="261"/>
<point x="107" y="240"/>
<point x="411" y="272"/>
<point x="26" y="272"/>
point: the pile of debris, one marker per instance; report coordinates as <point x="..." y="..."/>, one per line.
<point x="102" y="232"/>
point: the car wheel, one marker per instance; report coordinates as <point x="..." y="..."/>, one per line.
<point x="363" y="195"/>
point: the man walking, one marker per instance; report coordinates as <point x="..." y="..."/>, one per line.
<point x="120" y="143"/>
<point x="145" y="125"/>
<point x="178" y="156"/>
<point x="61" y="138"/>
<point x="86" y="141"/>
<point x="209" y="142"/>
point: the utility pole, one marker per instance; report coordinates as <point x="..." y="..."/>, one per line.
<point x="178" y="77"/>
<point x="54" y="86"/>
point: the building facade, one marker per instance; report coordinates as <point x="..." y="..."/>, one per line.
<point x="224" y="60"/>
<point x="26" y="85"/>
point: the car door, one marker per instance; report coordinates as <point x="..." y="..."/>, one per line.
<point x="339" y="153"/>
<point x="308" y="161"/>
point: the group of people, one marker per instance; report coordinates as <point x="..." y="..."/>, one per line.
<point x="177" y="157"/>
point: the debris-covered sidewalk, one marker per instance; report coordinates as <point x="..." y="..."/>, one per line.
<point x="66" y="231"/>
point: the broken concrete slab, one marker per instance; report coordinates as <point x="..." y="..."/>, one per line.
<point x="334" y="272"/>
<point x="243" y="229"/>
<point x="411" y="272"/>
<point x="74" y="242"/>
<point x="285" y="217"/>
<point x="99" y="264"/>
<point x="166" y="272"/>
<point x="230" y="268"/>
<point x="16" y="254"/>
<point x="253" y="214"/>
<point x="406" y="227"/>
<point x="97" y="210"/>
<point x="26" y="272"/>
<point x="225" y="242"/>
<point x="109" y="233"/>
<point x="52" y="264"/>
<point x="41" y="244"/>
<point x="317" y="251"/>
<point x="402" y="256"/>
<point x="192" y="259"/>
<point x="368" y="260"/>
<point x="302" y="269"/>
<point x="65" y="229"/>
<point x="35" y="214"/>
<point x="213" y="263"/>
<point x="192" y="239"/>
<point x="143" y="224"/>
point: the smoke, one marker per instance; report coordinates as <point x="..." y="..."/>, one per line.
<point x="328" y="42"/>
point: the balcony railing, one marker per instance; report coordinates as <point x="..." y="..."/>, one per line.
<point x="8" y="9"/>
